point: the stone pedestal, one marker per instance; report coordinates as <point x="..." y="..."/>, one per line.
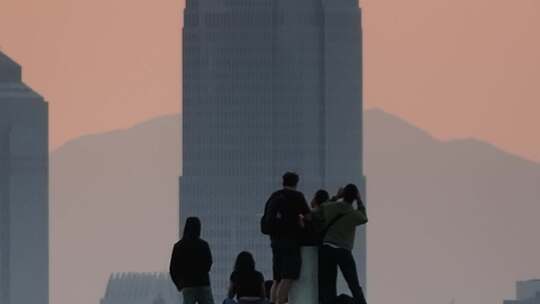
<point x="306" y="289"/>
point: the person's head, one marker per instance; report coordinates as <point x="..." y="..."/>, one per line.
<point x="192" y="229"/>
<point x="320" y="198"/>
<point x="290" y="180"/>
<point x="351" y="193"/>
<point x="244" y="262"/>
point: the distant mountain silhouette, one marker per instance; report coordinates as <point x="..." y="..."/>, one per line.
<point x="456" y="219"/>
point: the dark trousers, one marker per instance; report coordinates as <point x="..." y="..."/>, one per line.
<point x="329" y="260"/>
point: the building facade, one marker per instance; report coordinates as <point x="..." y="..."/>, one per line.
<point x="24" y="211"/>
<point x="140" y="288"/>
<point x="527" y="292"/>
<point x="268" y="86"/>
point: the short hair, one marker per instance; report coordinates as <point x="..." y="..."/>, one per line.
<point x="351" y="193"/>
<point x="290" y="179"/>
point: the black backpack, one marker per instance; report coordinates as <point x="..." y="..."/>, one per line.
<point x="270" y="221"/>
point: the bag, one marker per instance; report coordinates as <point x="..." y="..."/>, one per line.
<point x="270" y="218"/>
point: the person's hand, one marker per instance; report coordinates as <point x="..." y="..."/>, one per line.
<point x="338" y="195"/>
<point x="301" y="221"/>
<point x="360" y="204"/>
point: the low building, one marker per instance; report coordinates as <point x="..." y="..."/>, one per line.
<point x="527" y="292"/>
<point x="140" y="288"/>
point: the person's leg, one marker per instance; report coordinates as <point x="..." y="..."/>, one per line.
<point x="327" y="275"/>
<point x="204" y="295"/>
<point x="290" y="270"/>
<point x="347" y="265"/>
<point x="276" y="266"/>
<point x="189" y="295"/>
<point x="274" y="292"/>
<point x="283" y="290"/>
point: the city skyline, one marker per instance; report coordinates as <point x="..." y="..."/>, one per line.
<point x="426" y="61"/>
<point x="464" y="71"/>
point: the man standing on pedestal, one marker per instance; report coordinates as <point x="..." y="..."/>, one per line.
<point x="282" y="222"/>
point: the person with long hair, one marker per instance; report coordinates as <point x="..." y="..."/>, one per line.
<point x="246" y="283"/>
<point x="190" y="265"/>
<point x="339" y="221"/>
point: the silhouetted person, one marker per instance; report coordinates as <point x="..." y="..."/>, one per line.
<point x="246" y="283"/>
<point x="340" y="220"/>
<point x="190" y="265"/>
<point x="321" y="197"/>
<point x="311" y="232"/>
<point x="282" y="222"/>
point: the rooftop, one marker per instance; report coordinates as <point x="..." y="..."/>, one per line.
<point x="10" y="71"/>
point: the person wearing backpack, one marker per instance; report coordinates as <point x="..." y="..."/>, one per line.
<point x="190" y="265"/>
<point x="282" y="222"/>
<point x="339" y="222"/>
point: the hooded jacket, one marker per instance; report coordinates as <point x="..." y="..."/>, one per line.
<point x="191" y="258"/>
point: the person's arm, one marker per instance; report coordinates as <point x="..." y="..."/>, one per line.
<point x="263" y="291"/>
<point x="304" y="212"/>
<point x="360" y="213"/>
<point x="207" y="257"/>
<point x="232" y="290"/>
<point x="175" y="268"/>
<point x="317" y="217"/>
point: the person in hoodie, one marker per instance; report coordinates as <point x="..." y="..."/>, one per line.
<point x="190" y="265"/>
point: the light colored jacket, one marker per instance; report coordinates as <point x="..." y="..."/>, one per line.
<point x="342" y="233"/>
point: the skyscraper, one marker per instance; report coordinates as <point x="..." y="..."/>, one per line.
<point x="24" y="211"/>
<point x="269" y="86"/>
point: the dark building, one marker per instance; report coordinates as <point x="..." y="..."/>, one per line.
<point x="268" y="86"/>
<point x="24" y="210"/>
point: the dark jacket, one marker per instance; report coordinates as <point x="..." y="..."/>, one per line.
<point x="291" y="204"/>
<point x="191" y="259"/>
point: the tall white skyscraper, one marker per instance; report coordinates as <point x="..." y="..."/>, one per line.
<point x="268" y="86"/>
<point x="24" y="210"/>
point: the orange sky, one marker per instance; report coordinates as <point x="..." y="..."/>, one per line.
<point x="457" y="68"/>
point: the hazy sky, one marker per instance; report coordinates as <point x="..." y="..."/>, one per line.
<point x="457" y="68"/>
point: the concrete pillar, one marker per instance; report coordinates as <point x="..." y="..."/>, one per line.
<point x="306" y="289"/>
